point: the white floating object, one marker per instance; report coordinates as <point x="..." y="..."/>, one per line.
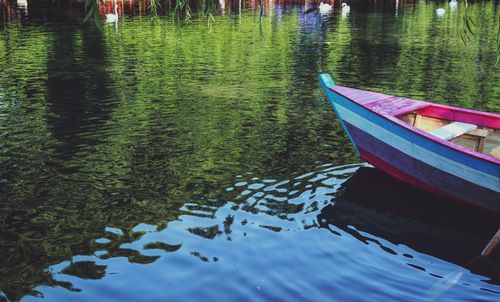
<point x="440" y="12"/>
<point x="113" y="17"/>
<point x="453" y="5"/>
<point x="345" y="8"/>
<point x="325" y="8"/>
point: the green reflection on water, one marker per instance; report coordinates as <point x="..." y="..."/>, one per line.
<point x="124" y="127"/>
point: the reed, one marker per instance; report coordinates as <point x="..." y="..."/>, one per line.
<point x="154" y="6"/>
<point x="469" y="28"/>
<point x="178" y="8"/>
<point x="469" y="25"/>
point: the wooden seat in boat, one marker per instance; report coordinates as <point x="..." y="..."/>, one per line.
<point x="481" y="139"/>
<point x="453" y="130"/>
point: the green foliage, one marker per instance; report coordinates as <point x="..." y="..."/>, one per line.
<point x="469" y="26"/>
<point x="468" y="32"/>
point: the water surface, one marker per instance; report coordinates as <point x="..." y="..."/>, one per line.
<point x="195" y="162"/>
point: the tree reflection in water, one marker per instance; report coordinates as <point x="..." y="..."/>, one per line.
<point x="147" y="142"/>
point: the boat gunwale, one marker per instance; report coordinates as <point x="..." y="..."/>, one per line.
<point x="422" y="133"/>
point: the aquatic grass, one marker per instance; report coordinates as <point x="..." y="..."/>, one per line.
<point x="208" y="10"/>
<point x="153" y="7"/>
<point x="182" y="7"/>
<point x="261" y="14"/>
<point x="468" y="31"/>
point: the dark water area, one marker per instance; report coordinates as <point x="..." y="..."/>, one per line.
<point x="200" y="160"/>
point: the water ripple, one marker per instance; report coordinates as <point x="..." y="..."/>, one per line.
<point x="165" y="161"/>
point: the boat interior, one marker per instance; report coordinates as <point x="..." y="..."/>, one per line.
<point x="480" y="138"/>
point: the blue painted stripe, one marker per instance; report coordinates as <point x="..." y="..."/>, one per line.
<point x="490" y="168"/>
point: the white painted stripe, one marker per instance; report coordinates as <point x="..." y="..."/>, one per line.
<point x="438" y="161"/>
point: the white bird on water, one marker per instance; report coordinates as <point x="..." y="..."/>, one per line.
<point x="453" y="5"/>
<point x="345" y="8"/>
<point x="440" y="12"/>
<point x="22" y="4"/>
<point x="113" y="17"/>
<point x="325" y="8"/>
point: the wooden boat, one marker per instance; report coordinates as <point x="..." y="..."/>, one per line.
<point x="451" y="151"/>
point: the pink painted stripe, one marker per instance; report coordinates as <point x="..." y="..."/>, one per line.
<point x="384" y="104"/>
<point x="361" y="96"/>
<point x="395" y="106"/>
<point x="479" y="118"/>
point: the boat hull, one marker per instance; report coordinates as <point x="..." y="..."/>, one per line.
<point x="414" y="159"/>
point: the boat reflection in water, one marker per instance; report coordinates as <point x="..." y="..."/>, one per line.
<point x="373" y="205"/>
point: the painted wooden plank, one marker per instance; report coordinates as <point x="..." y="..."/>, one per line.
<point x="382" y="103"/>
<point x="479" y="161"/>
<point x="446" y="149"/>
<point x="361" y="96"/>
<point x="433" y="163"/>
<point x="453" y="130"/>
<point x="395" y="106"/>
<point x="408" y="147"/>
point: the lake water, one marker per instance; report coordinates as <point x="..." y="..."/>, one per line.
<point x="200" y="161"/>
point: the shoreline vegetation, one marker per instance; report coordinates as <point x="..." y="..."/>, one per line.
<point x="176" y="8"/>
<point x="179" y="9"/>
<point x="183" y="9"/>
